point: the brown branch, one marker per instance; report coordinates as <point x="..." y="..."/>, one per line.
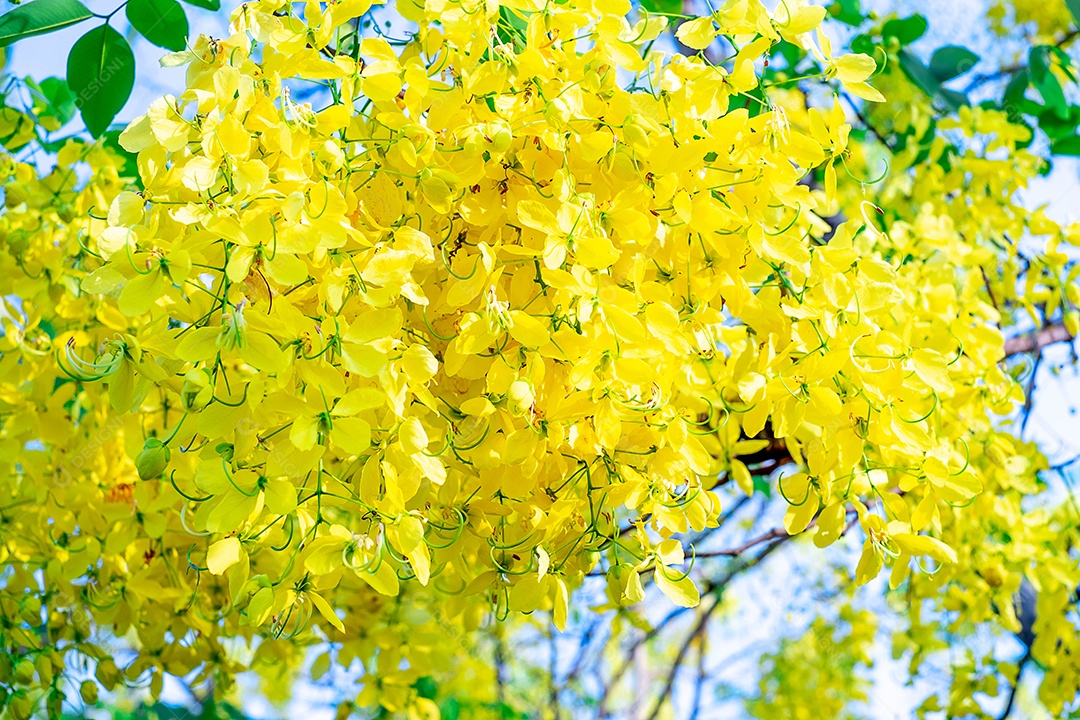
<point x="980" y="80"/>
<point x="1011" y="700"/>
<point x="708" y="588"/>
<point x="1036" y="341"/>
<point x="703" y="621"/>
<point x="774" y="534"/>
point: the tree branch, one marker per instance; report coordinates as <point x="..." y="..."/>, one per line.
<point x="1015" y="686"/>
<point x="703" y="621"/>
<point x="980" y="80"/>
<point x="1036" y="341"/>
<point x="774" y="534"/>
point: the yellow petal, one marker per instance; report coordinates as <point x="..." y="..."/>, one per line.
<point x="223" y="555"/>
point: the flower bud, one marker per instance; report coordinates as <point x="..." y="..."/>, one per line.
<point x="1072" y="322"/>
<point x="153" y="459"/>
<point x="233" y="332"/>
<point x="196" y="392"/>
<point x="20" y="706"/>
<point x="15" y="194"/>
<point x="107" y="673"/>
<point x="30" y="612"/>
<point x="89" y="692"/>
<point x="54" y="703"/>
<point x="635" y="137"/>
<point x="519" y="398"/>
<point x="474" y="143"/>
<point x="24" y="672"/>
<point x="44" y="668"/>
<point x="499" y="135"/>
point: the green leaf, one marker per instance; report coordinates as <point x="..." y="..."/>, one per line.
<point x="40" y="17"/>
<point x="906" y="30"/>
<point x="101" y="73"/>
<point x="862" y="44"/>
<point x="666" y="7"/>
<point x="951" y="61"/>
<point x="792" y="54"/>
<point x="162" y="22"/>
<point x="1045" y="81"/>
<point x="1064" y="61"/>
<point x="848" y="12"/>
<point x="761" y="485"/>
<point x="426" y="687"/>
<point x="214" y="5"/>
<point x="1074" y="8"/>
<point x="919" y="74"/>
<point x="131" y="164"/>
<point x="1014" y="94"/>
<point x="1055" y="126"/>
<point x="511" y="26"/>
<point x="1066" y="146"/>
<point x="54" y="103"/>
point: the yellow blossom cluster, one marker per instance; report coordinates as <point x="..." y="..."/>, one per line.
<point x="499" y="311"/>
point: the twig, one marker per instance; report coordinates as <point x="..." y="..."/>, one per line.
<point x="1015" y="686"/>
<point x="774" y="534"/>
<point x="708" y="588"/>
<point x="980" y="80"/>
<point x="1036" y="341"/>
<point x="867" y="124"/>
<point x="1029" y="394"/>
<point x="702" y="622"/>
<point x="695" y="709"/>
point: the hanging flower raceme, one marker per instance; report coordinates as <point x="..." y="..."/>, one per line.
<point x="497" y="311"/>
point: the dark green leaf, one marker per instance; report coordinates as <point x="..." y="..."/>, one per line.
<point x="945" y="159"/>
<point x="792" y="54"/>
<point x="1030" y="107"/>
<point x="101" y="73"/>
<point x="954" y="99"/>
<point x="131" y="165"/>
<point x="761" y="485"/>
<point x="906" y="30"/>
<point x="1045" y="81"/>
<point x="53" y="100"/>
<point x="214" y="5"/>
<point x="1055" y="126"/>
<point x="40" y="17"/>
<point x="1074" y="8"/>
<point x="1064" y="61"/>
<point x="511" y="27"/>
<point x="1039" y="59"/>
<point x="914" y="68"/>
<point x="951" y="61"/>
<point x="1066" y="146"/>
<point x="162" y="22"/>
<point x="1014" y="94"/>
<point x="667" y="7"/>
<point x="862" y="44"/>
<point x="426" y="687"/>
<point x="847" y="11"/>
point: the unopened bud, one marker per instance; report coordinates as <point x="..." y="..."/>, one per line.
<point x="89" y="692"/>
<point x="153" y="459"/>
